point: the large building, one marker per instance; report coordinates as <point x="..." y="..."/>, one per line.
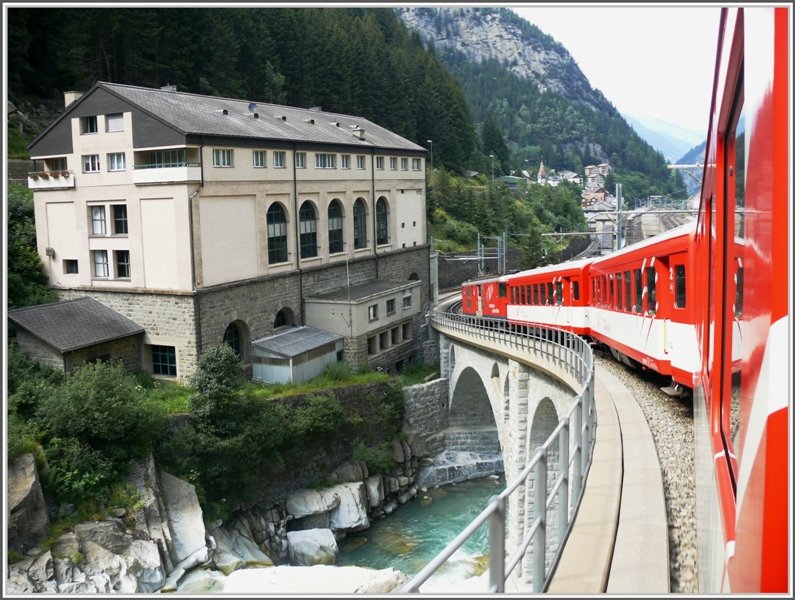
<point x="206" y="219"/>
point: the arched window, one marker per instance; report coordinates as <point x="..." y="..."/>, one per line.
<point x="284" y="318"/>
<point x="277" y="234"/>
<point x="335" y="236"/>
<point x="381" y="222"/>
<point x="359" y="224"/>
<point x="232" y="337"/>
<point x="307" y="224"/>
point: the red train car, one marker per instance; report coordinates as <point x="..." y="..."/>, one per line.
<point x="743" y="388"/>
<point x="640" y="308"/>
<point x="555" y="295"/>
<point x="485" y="297"/>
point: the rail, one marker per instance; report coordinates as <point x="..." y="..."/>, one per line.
<point x="557" y="346"/>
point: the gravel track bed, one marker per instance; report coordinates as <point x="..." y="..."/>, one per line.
<point x="671" y="423"/>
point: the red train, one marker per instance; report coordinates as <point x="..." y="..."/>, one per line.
<point x="708" y="304"/>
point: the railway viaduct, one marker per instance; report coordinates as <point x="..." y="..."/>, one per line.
<point x="506" y="392"/>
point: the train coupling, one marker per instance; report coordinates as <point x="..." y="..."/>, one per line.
<point x="675" y="390"/>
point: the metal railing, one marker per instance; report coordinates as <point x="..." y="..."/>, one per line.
<point x="572" y="353"/>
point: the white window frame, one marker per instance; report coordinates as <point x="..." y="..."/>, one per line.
<point x="393" y="163"/>
<point x="379" y="163"/>
<point x="90" y="163"/>
<point x="100" y="260"/>
<point x="416" y="164"/>
<point x="279" y="159"/>
<point x="406" y="301"/>
<point x="345" y="161"/>
<point x="223" y="158"/>
<point x="372" y="312"/>
<point x="117" y="161"/>
<point x="114" y="122"/>
<point x="361" y="164"/>
<point x="300" y="160"/>
<point x="404" y="164"/>
<point x="260" y="159"/>
<point x="117" y="261"/>
<point x="99" y="220"/>
<point x="325" y="160"/>
<point x="88" y="125"/>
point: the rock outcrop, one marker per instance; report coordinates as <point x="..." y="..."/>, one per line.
<point x="27" y="510"/>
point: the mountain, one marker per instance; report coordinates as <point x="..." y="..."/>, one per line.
<point x="520" y="82"/>
<point x="672" y="141"/>
<point x="695" y="156"/>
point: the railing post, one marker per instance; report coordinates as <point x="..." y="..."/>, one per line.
<point x="497" y="548"/>
<point x="579" y="460"/>
<point x="540" y="541"/>
<point x="563" y="498"/>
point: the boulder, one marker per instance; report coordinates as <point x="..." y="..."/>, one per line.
<point x="151" y="516"/>
<point x="351" y="514"/>
<point x="375" y="490"/>
<point x="184" y="516"/>
<point x="28" y="521"/>
<point x="311" y="502"/>
<point x="319" y="579"/>
<point x="312" y="547"/>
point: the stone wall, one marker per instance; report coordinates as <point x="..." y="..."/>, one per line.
<point x="426" y="414"/>
<point x="39" y="351"/>
<point x="127" y="350"/>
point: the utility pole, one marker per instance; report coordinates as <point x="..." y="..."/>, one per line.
<point x="618" y="216"/>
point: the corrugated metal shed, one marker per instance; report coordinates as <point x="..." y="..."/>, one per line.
<point x="294" y="356"/>
<point x="296" y="341"/>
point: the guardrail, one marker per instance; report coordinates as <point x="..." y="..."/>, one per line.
<point x="557" y="346"/>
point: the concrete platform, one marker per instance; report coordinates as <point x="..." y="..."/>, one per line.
<point x="619" y="541"/>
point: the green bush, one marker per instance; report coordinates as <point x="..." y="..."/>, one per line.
<point x="218" y="377"/>
<point x="77" y="472"/>
<point x="378" y="458"/>
<point x="339" y="371"/>
<point x="322" y="414"/>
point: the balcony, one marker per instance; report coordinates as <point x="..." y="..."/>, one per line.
<point x="51" y="180"/>
<point x="162" y="173"/>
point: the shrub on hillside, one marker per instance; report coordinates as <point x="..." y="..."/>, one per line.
<point x="218" y="377"/>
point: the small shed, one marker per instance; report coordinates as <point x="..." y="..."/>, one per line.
<point x="295" y="355"/>
<point x="69" y="333"/>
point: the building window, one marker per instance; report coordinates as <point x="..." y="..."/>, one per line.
<point x="122" y="263"/>
<point x="114" y="122"/>
<point x="277" y="234"/>
<point x="260" y="159"/>
<point x="116" y="161"/>
<point x="168" y="158"/>
<point x="284" y="318"/>
<point x="335" y="234"/>
<point x="359" y="224"/>
<point x="90" y="163"/>
<point x="279" y="159"/>
<point x="372" y="345"/>
<point x="393" y="163"/>
<point x="120" y="219"/>
<point x="300" y="160"/>
<point x="395" y="335"/>
<point x="404" y="164"/>
<point x="416" y="163"/>
<point x="325" y="161"/>
<point x="390" y="306"/>
<point x="381" y="222"/>
<point x="383" y="340"/>
<point x="98" y="225"/>
<point x="100" y="263"/>
<point x="345" y="161"/>
<point x="222" y="157"/>
<point x="232" y="338"/>
<point x="70" y="266"/>
<point x="88" y="125"/>
<point x="360" y="163"/>
<point x="164" y="360"/>
<point x="406" y="331"/>
<point x="372" y="312"/>
<point x="307" y="225"/>
<point x="379" y="163"/>
<point x="406" y="301"/>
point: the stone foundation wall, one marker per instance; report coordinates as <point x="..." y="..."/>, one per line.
<point x="426" y="414"/>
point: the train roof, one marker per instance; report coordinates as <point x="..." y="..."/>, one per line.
<point x="571" y="264"/>
<point x="680" y="231"/>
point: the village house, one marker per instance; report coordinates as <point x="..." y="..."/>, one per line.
<point x="205" y="220"/>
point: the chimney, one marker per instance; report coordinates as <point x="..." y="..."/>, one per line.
<point x="169" y="88"/>
<point x="358" y="132"/>
<point x="69" y="97"/>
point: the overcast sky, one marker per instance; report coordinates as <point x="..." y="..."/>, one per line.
<point x="648" y="61"/>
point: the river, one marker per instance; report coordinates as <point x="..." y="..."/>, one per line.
<point x="417" y="531"/>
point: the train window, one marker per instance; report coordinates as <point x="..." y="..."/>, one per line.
<point x="527" y="293"/>
<point x="559" y="293"/>
<point x="549" y="292"/>
<point x="575" y="290"/>
<point x="502" y="289"/>
<point x="543" y="294"/>
<point x="680" y="297"/>
<point x="618" y="291"/>
<point x="535" y="293"/>
<point x="651" y="289"/>
<point x="638" y="290"/>
<point x="627" y="291"/>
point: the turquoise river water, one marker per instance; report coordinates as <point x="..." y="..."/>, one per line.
<point x="417" y="531"/>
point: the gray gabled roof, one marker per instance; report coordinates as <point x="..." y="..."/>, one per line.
<point x="73" y="324"/>
<point x="295" y="341"/>
<point x="194" y="114"/>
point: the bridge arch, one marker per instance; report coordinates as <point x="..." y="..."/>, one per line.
<point x="470" y="405"/>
